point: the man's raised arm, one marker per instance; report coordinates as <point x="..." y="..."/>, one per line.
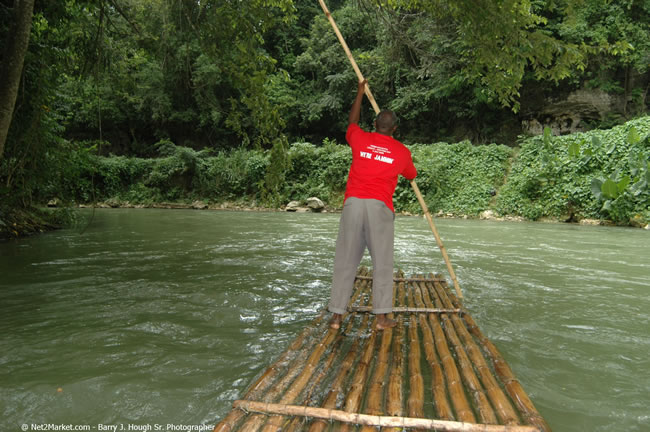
<point x="355" y="111"/>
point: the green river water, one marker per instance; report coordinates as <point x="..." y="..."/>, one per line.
<point x="150" y="318"/>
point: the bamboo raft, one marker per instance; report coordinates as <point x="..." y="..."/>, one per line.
<point x="434" y="371"/>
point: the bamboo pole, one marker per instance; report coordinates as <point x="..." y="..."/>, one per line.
<point x="345" y="369"/>
<point x="267" y="378"/>
<point x="371" y="98"/>
<point x="505" y="374"/>
<point x="378" y="380"/>
<point x="357" y="389"/>
<point x="275" y="423"/>
<point x="427" y="214"/>
<point x="367" y="419"/>
<point x="291" y="396"/>
<point x="324" y="369"/>
<point x="497" y="397"/>
<point x="297" y="423"/>
<point x="254" y="422"/>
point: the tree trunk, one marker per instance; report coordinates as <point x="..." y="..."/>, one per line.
<point x="12" y="64"/>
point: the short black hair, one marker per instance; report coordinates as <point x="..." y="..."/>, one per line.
<point x="386" y="120"/>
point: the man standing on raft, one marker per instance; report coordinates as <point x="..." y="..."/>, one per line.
<point x="368" y="214"/>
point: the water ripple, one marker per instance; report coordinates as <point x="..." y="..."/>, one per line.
<point x="140" y="322"/>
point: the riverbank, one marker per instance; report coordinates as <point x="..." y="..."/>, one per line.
<point x="304" y="208"/>
<point x="25" y="222"/>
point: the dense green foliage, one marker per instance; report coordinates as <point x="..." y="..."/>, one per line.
<point x="187" y="71"/>
<point x="181" y="174"/>
<point x="458" y="178"/>
<point x="448" y="68"/>
<point x="35" y="150"/>
<point x="598" y="174"/>
<point x="224" y="74"/>
<point x="601" y="174"/>
<point x="201" y="99"/>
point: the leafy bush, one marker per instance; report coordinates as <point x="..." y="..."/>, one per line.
<point x="555" y="176"/>
<point x="116" y="174"/>
<point x="317" y="171"/>
<point x="458" y="178"/>
<point x="181" y="174"/>
<point x="232" y="174"/>
<point x="600" y="174"/>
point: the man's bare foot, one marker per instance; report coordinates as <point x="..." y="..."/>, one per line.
<point x="335" y="322"/>
<point x="383" y="322"/>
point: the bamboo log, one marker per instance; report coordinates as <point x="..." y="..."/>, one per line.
<point x="355" y="394"/>
<point x="415" y="402"/>
<point x="295" y="423"/>
<point x="468" y="375"/>
<point x="401" y="309"/>
<point x="411" y="279"/>
<point x="377" y="382"/>
<point x="336" y="351"/>
<point x="438" y="389"/>
<point x="502" y="405"/>
<point x="345" y="368"/>
<point x="366" y="419"/>
<point x="457" y="395"/>
<point x="394" y="398"/>
<point x="267" y="378"/>
<point x="313" y="360"/>
<point x="275" y="423"/>
<point x="505" y="374"/>
<point x="254" y="422"/>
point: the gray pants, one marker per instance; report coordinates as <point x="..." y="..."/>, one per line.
<point x="364" y="223"/>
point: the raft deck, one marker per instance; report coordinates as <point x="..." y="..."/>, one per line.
<point x="434" y="371"/>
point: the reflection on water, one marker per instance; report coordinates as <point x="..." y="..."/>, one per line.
<point x="155" y="317"/>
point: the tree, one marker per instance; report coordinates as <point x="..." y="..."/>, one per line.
<point x="12" y="64"/>
<point x="192" y="72"/>
<point x="502" y="40"/>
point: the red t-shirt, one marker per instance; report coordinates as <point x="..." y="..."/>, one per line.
<point x="377" y="161"/>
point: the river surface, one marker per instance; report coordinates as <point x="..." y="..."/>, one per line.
<point x="156" y="317"/>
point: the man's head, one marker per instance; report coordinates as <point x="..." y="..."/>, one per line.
<point x="386" y="122"/>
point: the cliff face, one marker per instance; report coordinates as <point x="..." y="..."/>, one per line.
<point x="571" y="114"/>
<point x="579" y="110"/>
